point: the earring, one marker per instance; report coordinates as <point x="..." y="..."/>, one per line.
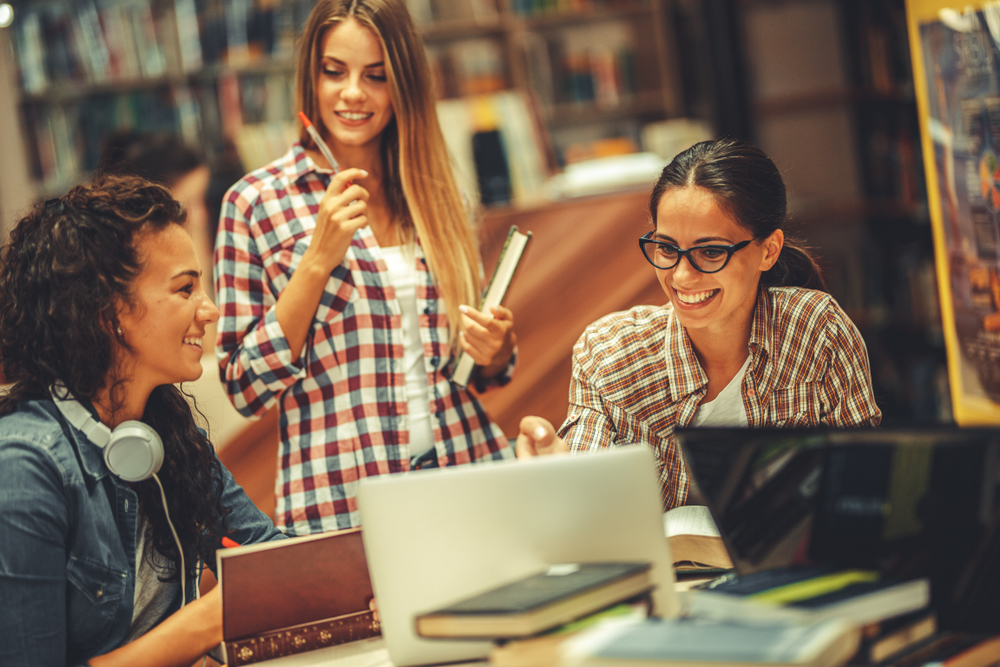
<point x="119" y="332"/>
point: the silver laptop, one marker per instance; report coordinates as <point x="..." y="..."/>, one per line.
<point x="436" y="536"/>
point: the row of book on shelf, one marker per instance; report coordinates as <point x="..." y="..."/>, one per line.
<point x="100" y="43"/>
<point x="107" y="42"/>
<point x="427" y="12"/>
<point x="251" y="112"/>
<point x="577" y="67"/>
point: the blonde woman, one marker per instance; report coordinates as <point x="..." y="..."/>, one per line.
<point x="344" y="296"/>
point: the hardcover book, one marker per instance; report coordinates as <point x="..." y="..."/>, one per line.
<point x="510" y="257"/>
<point x="695" y="542"/>
<point x="809" y="594"/>
<point x="561" y="594"/>
<point x="289" y="596"/>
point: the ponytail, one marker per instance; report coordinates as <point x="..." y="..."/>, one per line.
<point x="795" y="267"/>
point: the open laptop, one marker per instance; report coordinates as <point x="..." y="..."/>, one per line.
<point x="909" y="502"/>
<point x="434" y="537"/>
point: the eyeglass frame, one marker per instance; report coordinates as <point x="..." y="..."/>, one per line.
<point x="730" y="250"/>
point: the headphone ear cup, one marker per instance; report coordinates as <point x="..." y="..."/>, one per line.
<point x="135" y="451"/>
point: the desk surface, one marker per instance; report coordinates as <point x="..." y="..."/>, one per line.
<point x="364" y="653"/>
<point x="373" y="653"/>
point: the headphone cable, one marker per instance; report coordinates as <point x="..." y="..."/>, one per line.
<point x="180" y="551"/>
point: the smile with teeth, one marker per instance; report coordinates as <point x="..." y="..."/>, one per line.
<point x="696" y="297"/>
<point x="353" y="115"/>
<point x="191" y="340"/>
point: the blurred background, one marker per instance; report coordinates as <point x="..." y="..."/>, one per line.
<point x="559" y="114"/>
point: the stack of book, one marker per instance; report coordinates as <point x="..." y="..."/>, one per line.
<point x="561" y="594"/>
<point x="897" y="626"/>
<point x="805" y="594"/>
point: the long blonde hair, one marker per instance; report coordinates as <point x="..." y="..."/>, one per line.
<point x="419" y="184"/>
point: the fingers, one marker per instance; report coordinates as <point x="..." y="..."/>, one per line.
<point x="342" y="180"/>
<point x="485" y="335"/>
<point x="537" y="437"/>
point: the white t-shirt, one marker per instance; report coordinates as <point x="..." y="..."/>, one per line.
<point x="403" y="275"/>
<point x="727" y="408"/>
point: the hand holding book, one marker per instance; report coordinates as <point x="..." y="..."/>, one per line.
<point x="488" y="337"/>
<point x="489" y="309"/>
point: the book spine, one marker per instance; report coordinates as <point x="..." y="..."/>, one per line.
<point x="302" y="638"/>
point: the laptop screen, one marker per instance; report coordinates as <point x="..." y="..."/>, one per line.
<point x="907" y="502"/>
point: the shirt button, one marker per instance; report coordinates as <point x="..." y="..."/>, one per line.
<point x="427" y="311"/>
<point x="751" y="392"/>
<point x="126" y="505"/>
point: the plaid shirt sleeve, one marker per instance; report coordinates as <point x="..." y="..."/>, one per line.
<point x="256" y="364"/>
<point x="618" y="394"/>
<point x="587" y="427"/>
<point x="847" y="391"/>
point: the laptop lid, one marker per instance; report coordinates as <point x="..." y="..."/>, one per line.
<point x="436" y="536"/>
<point x="908" y="502"/>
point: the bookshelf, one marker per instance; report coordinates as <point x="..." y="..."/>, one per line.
<point x="831" y="100"/>
<point x="219" y="73"/>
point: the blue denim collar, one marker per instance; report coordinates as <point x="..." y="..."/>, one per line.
<point x="91" y="456"/>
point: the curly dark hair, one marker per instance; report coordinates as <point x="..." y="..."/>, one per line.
<point x="69" y="267"/>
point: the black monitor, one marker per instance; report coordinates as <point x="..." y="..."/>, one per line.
<point x="908" y="502"/>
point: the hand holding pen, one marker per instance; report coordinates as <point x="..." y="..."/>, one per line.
<point x="342" y="211"/>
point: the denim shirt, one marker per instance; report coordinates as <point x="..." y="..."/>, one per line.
<point x="68" y="541"/>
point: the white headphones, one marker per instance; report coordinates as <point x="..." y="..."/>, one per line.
<point x="133" y="451"/>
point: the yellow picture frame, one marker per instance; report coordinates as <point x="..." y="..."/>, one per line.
<point x="961" y="46"/>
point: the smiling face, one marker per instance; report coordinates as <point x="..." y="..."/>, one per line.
<point x="165" y="324"/>
<point x="352" y="87"/>
<point x="716" y="302"/>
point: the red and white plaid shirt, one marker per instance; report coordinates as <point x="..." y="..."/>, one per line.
<point x="344" y="412"/>
<point x="636" y="378"/>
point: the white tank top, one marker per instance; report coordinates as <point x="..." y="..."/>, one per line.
<point x="403" y="276"/>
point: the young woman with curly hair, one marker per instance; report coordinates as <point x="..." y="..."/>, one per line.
<point x="103" y="313"/>
<point x="345" y="296"/>
<point x="747" y="338"/>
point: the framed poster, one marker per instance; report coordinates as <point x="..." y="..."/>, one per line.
<point x="955" y="50"/>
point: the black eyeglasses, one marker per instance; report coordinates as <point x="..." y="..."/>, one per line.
<point x="704" y="258"/>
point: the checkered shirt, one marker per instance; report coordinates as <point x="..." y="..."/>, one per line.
<point x="636" y="378"/>
<point x="343" y="405"/>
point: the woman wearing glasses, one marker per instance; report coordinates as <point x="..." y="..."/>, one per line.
<point x="746" y="339"/>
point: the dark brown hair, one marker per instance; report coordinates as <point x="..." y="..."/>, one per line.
<point x="71" y="263"/>
<point x="746" y="185"/>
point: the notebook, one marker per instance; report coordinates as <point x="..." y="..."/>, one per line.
<point x="434" y="537"/>
<point x="908" y="502"/>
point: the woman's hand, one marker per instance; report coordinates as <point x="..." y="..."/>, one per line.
<point x="178" y="641"/>
<point x="342" y="211"/>
<point x="488" y="338"/>
<point x="537" y="437"/>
